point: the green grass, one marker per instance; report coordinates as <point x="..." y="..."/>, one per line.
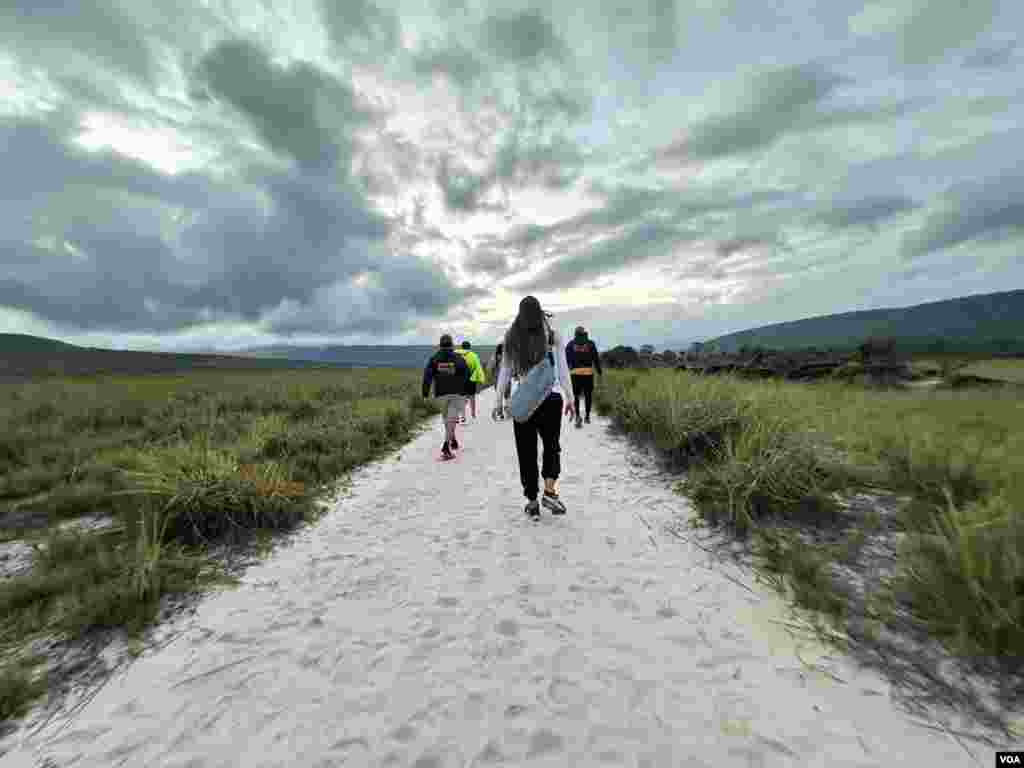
<point x="178" y="463"/>
<point x="1011" y="371"/>
<point x="774" y="449"/>
<point x="19" y="686"/>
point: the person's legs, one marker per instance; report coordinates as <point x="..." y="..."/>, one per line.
<point x="549" y="425"/>
<point x="526" y="452"/>
<point x="458" y="407"/>
<point x="588" y="394"/>
<point x="576" y="387"/>
<point x="450" y="415"/>
<point x="472" y="405"/>
<point x="449" y="426"/>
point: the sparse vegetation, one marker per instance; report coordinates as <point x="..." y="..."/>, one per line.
<point x="759" y="451"/>
<point x="174" y="464"/>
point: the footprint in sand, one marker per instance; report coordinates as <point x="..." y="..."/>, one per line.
<point x="507" y="627"/>
<point x="544" y="741"/>
<point x="404" y="733"/>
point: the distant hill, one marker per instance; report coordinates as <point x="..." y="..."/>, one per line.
<point x="413" y="356"/>
<point x="990" y="323"/>
<point x="22" y="356"/>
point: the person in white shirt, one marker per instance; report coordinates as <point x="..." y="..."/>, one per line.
<point x="500" y="398"/>
<point x="526" y="343"/>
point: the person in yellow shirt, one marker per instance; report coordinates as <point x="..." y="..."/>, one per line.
<point x="477" y="377"/>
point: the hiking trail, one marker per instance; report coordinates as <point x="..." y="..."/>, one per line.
<point x="425" y="621"/>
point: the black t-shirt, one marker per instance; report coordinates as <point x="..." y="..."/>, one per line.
<point x="448" y="372"/>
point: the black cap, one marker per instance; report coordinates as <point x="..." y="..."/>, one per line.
<point x="466" y="345"/>
<point x="446" y="340"/>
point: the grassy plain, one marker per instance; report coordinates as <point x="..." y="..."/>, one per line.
<point x="175" y="466"/>
<point x="1008" y="370"/>
<point x="774" y="450"/>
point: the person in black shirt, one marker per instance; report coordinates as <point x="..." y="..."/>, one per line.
<point x="581" y="354"/>
<point x="449" y="373"/>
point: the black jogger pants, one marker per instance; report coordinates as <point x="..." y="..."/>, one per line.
<point x="546" y="421"/>
<point x="582" y="385"/>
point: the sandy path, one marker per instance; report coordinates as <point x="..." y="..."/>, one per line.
<point x="426" y="622"/>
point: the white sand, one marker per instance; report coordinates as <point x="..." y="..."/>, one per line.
<point x="426" y="622"/>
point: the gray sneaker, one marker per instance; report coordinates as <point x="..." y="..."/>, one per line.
<point x="552" y="502"/>
<point x="533" y="508"/>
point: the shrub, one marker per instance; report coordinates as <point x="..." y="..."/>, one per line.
<point x="19" y="686"/>
<point x="965" y="576"/>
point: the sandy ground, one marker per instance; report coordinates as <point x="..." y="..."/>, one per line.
<point x="427" y="622"/>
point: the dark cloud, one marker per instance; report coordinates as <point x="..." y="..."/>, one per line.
<point x="54" y="31"/>
<point x="457" y="63"/>
<point x="866" y="212"/>
<point x="241" y="249"/>
<point x="992" y="57"/>
<point x="573" y="105"/>
<point x="123" y="270"/>
<point x="490" y="262"/>
<point x="363" y="23"/>
<point x="298" y="110"/>
<point x="35" y="155"/>
<point x="463" y="190"/>
<point x="627" y="204"/>
<point x="624" y="204"/>
<point x="781" y="100"/>
<point x="378" y="301"/>
<point x="303" y="243"/>
<point x="645" y="31"/>
<point x="935" y="27"/>
<point x="727" y="248"/>
<point x="518" y="162"/>
<point x="991" y="210"/>
<point x="639" y="243"/>
<point x="554" y="164"/>
<point x="526" y="37"/>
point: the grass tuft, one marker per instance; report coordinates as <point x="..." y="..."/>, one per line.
<point x="760" y="450"/>
<point x="180" y="464"/>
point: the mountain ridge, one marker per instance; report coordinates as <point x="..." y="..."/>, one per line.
<point x="978" y="320"/>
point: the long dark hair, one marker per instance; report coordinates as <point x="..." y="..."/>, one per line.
<point x="526" y="341"/>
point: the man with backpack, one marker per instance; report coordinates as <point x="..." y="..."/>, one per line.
<point x="583" y="359"/>
<point x="449" y="374"/>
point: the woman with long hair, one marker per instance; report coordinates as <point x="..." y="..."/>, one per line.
<point x="527" y="342"/>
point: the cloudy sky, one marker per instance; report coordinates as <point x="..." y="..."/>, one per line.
<point x="204" y="174"/>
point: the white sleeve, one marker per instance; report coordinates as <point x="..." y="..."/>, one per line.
<point x="562" y="365"/>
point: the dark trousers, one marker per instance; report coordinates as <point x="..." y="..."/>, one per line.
<point x="582" y="385"/>
<point x="546" y="422"/>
